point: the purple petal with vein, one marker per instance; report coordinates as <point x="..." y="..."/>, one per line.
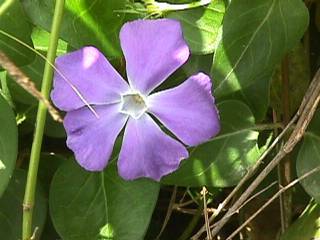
<point x="90" y="73"/>
<point x="188" y="110"/>
<point x="153" y="50"/>
<point x="147" y="151"/>
<point x="92" y="139"/>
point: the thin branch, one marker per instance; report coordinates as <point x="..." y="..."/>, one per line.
<point x="183" y="204"/>
<point x="205" y="212"/>
<point x="27" y="84"/>
<point x="281" y="191"/>
<point x="248" y="175"/>
<point x="251" y="198"/>
<point x="186" y="210"/>
<point x="256" y="195"/>
<point x="48" y="62"/>
<point x="305" y="114"/>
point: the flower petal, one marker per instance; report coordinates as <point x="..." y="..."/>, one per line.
<point x="90" y="73"/>
<point x="187" y="110"/>
<point x="147" y="151"/>
<point x="92" y="139"/>
<point x="153" y="50"/>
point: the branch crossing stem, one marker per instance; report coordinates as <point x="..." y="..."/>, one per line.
<point x="29" y="197"/>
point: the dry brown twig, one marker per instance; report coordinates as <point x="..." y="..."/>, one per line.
<point x="249" y="174"/>
<point x="205" y="212"/>
<point x="304" y="116"/>
<point x="282" y="190"/>
<point x="27" y="84"/>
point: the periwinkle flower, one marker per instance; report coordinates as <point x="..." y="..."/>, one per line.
<point x="153" y="50"/>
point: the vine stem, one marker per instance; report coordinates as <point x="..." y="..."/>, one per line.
<point x="29" y="197"/>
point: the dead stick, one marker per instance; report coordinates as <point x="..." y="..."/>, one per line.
<point x="306" y="112"/>
<point x="205" y="212"/>
<point x="282" y="190"/>
<point x="248" y="175"/>
<point x="27" y="84"/>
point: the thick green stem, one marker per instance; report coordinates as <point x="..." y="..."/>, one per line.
<point x="29" y="196"/>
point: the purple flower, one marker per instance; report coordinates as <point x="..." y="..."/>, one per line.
<point x="153" y="50"/>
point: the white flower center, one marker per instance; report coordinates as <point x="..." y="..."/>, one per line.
<point x="133" y="104"/>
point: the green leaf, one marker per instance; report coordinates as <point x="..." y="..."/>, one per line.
<point x="255" y="36"/>
<point x="85" y="22"/>
<point x="88" y="206"/>
<point x="309" y="158"/>
<point x="307" y="226"/>
<point x="49" y="163"/>
<point x="224" y="160"/>
<point x="8" y="143"/>
<point x="13" y="21"/>
<point x="41" y="38"/>
<point x="195" y="64"/>
<point x="201" y="26"/>
<point x="11" y="207"/>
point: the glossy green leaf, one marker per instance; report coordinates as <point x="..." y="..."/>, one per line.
<point x="85" y="22"/>
<point x="40" y="40"/>
<point x="201" y="26"/>
<point x="49" y="163"/>
<point x="225" y="159"/>
<point x="256" y="96"/>
<point x="91" y="206"/>
<point x="8" y="143"/>
<point x="14" y="22"/>
<point x="11" y="207"/>
<point x="309" y="158"/>
<point x="255" y="36"/>
<point x="197" y="63"/>
<point x="307" y="226"/>
<point x="194" y="65"/>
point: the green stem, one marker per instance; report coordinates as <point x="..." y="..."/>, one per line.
<point x="4" y="88"/>
<point x="29" y="196"/>
<point x="154" y="7"/>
